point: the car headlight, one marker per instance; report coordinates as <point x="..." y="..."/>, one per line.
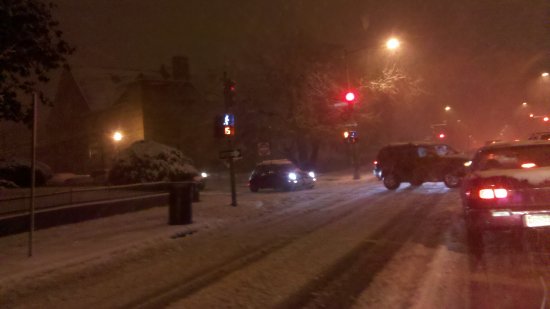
<point x="292" y="176"/>
<point x="204" y="174"/>
<point x="311" y="174"/>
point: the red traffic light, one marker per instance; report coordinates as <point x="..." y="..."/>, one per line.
<point x="441" y="135"/>
<point x="229" y="92"/>
<point x="350" y="97"/>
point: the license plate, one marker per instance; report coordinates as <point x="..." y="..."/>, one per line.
<point x="536" y="220"/>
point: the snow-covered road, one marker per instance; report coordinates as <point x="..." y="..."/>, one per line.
<point x="344" y="244"/>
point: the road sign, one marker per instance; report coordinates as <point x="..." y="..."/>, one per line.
<point x="230" y="154"/>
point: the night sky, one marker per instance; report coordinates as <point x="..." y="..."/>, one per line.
<point x="483" y="57"/>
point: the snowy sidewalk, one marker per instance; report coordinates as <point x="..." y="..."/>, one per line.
<point x="102" y="239"/>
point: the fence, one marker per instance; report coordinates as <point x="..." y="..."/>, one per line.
<point x="19" y="201"/>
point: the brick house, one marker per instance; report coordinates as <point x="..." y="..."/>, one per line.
<point x="92" y="104"/>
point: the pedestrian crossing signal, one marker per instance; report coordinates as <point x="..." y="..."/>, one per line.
<point x="228" y="131"/>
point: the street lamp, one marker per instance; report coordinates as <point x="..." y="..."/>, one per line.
<point x="117" y="136"/>
<point x="447" y="108"/>
<point x="393" y="44"/>
<point x="545" y="74"/>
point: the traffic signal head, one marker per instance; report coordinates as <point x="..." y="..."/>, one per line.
<point x="350" y="136"/>
<point x="228" y="130"/>
<point x="224" y="125"/>
<point x="229" y="92"/>
<point x="441" y="135"/>
<point x="350" y="97"/>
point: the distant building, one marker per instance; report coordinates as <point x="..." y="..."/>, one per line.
<point x="92" y="104"/>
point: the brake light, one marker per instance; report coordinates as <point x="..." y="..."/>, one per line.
<point x="488" y="194"/>
<point x="375" y="162"/>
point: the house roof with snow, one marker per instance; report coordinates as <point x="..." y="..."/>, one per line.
<point x="102" y="87"/>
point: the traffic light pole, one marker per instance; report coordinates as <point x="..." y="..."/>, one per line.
<point x="232" y="177"/>
<point x="228" y="93"/>
<point x="354" y="151"/>
<point x="355" y="159"/>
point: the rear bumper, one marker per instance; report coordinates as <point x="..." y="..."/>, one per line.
<point x="501" y="218"/>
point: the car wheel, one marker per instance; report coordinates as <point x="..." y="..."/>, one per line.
<point x="391" y="181"/>
<point x="451" y="180"/>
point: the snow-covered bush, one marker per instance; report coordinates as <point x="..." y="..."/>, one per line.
<point x="148" y="161"/>
<point x="18" y="171"/>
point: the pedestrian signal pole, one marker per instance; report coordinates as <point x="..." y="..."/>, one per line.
<point x="229" y="93"/>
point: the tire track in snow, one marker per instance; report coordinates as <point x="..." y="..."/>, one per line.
<point x="253" y="255"/>
<point x="351" y="275"/>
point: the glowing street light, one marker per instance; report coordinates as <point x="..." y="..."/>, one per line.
<point x="393" y="44"/>
<point x="447" y="108"/>
<point x="117" y="136"/>
<point x="545" y="74"/>
<point x="524" y="104"/>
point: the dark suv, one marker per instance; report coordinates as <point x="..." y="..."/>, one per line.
<point x="280" y="174"/>
<point x="419" y="162"/>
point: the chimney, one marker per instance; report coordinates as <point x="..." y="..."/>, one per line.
<point x="180" y="68"/>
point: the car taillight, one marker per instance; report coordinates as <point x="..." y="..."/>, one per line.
<point x="375" y="162"/>
<point x="528" y="165"/>
<point x="492" y="193"/>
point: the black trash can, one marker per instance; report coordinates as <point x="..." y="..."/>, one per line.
<point x="181" y="195"/>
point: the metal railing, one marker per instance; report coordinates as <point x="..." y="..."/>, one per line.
<point x="56" y="197"/>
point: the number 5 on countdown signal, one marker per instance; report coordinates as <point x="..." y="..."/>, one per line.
<point x="228" y="131"/>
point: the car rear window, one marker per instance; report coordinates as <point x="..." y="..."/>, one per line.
<point x="513" y="157"/>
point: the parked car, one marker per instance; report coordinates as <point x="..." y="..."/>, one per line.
<point x="508" y="186"/>
<point x="419" y="162"/>
<point x="539" y="136"/>
<point x="280" y="174"/>
<point x="18" y="172"/>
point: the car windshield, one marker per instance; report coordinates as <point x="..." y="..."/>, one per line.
<point x="435" y="150"/>
<point x="513" y="158"/>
